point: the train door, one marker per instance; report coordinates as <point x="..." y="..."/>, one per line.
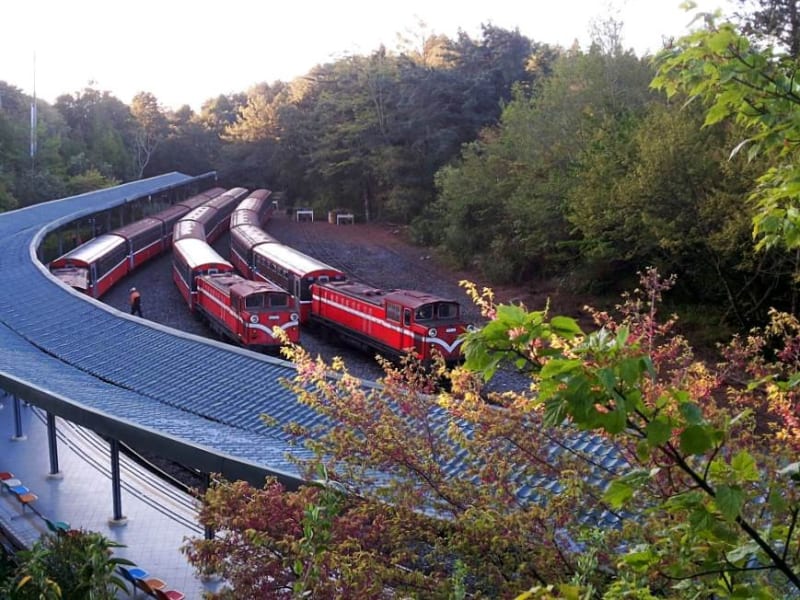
<point x="407" y="340"/>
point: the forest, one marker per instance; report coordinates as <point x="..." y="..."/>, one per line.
<point x="517" y="160"/>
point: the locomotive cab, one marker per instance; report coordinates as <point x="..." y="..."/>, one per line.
<point x="262" y="309"/>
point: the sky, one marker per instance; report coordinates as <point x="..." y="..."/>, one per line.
<point x="187" y="52"/>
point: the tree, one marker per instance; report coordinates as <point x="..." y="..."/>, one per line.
<point x="754" y="86"/>
<point x="151" y="129"/>
<point x="778" y="20"/>
<point x="527" y="168"/>
<point x="101" y="128"/>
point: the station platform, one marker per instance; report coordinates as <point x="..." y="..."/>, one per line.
<point x="158" y="517"/>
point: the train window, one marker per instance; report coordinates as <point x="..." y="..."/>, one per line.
<point x="447" y="310"/>
<point x="407" y="317"/>
<point x="278" y="300"/>
<point x="254" y="301"/>
<point x="393" y="312"/>
<point x="424" y="313"/>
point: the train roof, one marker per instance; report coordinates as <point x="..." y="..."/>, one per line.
<point x="197" y="253"/>
<point x="244" y="216"/>
<point x="187" y="228"/>
<point x="294" y="260"/>
<point x="256" y="200"/>
<point x="377" y="296"/>
<point x="201" y="198"/>
<point x="228" y="201"/>
<point x="241" y="286"/>
<point x="201" y="214"/>
<point x="251" y="235"/>
<point x="260" y="194"/>
<point x="90" y="251"/>
<point x="171" y="213"/>
<point x="134" y="229"/>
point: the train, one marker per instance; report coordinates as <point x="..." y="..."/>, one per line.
<point x="391" y="322"/>
<point x="97" y="265"/>
<point x="243" y="311"/>
<point x="237" y="308"/>
<point x="266" y="283"/>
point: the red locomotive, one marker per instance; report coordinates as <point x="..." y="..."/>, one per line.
<point x="243" y="311"/>
<point x="246" y="311"/>
<point x="390" y="321"/>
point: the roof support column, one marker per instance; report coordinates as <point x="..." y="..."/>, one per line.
<point x="52" y="447"/>
<point x="18" y="434"/>
<point x="116" y="488"/>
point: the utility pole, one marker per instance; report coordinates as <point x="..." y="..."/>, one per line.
<point x="33" y="118"/>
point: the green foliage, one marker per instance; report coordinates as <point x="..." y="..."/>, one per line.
<point x="750" y="83"/>
<point x="76" y="564"/>
<point x="698" y="475"/>
<point x="503" y="205"/>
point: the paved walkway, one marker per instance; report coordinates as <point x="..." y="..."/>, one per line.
<point x="158" y="517"/>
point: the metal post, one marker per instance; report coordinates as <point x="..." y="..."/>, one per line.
<point x="116" y="488"/>
<point x="52" y="446"/>
<point x="18" y="435"/>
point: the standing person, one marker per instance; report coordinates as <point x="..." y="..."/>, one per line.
<point x="136" y="302"/>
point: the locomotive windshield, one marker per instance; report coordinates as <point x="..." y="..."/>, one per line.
<point x="447" y="310"/>
<point x="254" y="301"/>
<point x="266" y="300"/>
<point x="438" y="310"/>
<point x="279" y="300"/>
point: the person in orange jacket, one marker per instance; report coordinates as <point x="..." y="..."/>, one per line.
<point x="136" y="302"/>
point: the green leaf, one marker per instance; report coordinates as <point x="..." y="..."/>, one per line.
<point x="692" y="413"/>
<point x="744" y="465"/>
<point x="695" y="440"/>
<point x="742" y="552"/>
<point x="618" y="493"/>
<point x="658" y="431"/>
<point x="640" y="559"/>
<point x="557" y="367"/>
<point x="565" y="326"/>
<point x="729" y="501"/>
<point x="776" y="501"/>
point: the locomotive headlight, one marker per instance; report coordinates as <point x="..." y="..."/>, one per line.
<point x="471" y="328"/>
<point x="432" y="332"/>
<point x="294" y="316"/>
<point x="254" y="318"/>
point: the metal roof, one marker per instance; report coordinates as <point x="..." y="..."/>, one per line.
<point x="191" y="399"/>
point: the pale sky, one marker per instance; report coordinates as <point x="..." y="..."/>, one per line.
<point x="187" y="52"/>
